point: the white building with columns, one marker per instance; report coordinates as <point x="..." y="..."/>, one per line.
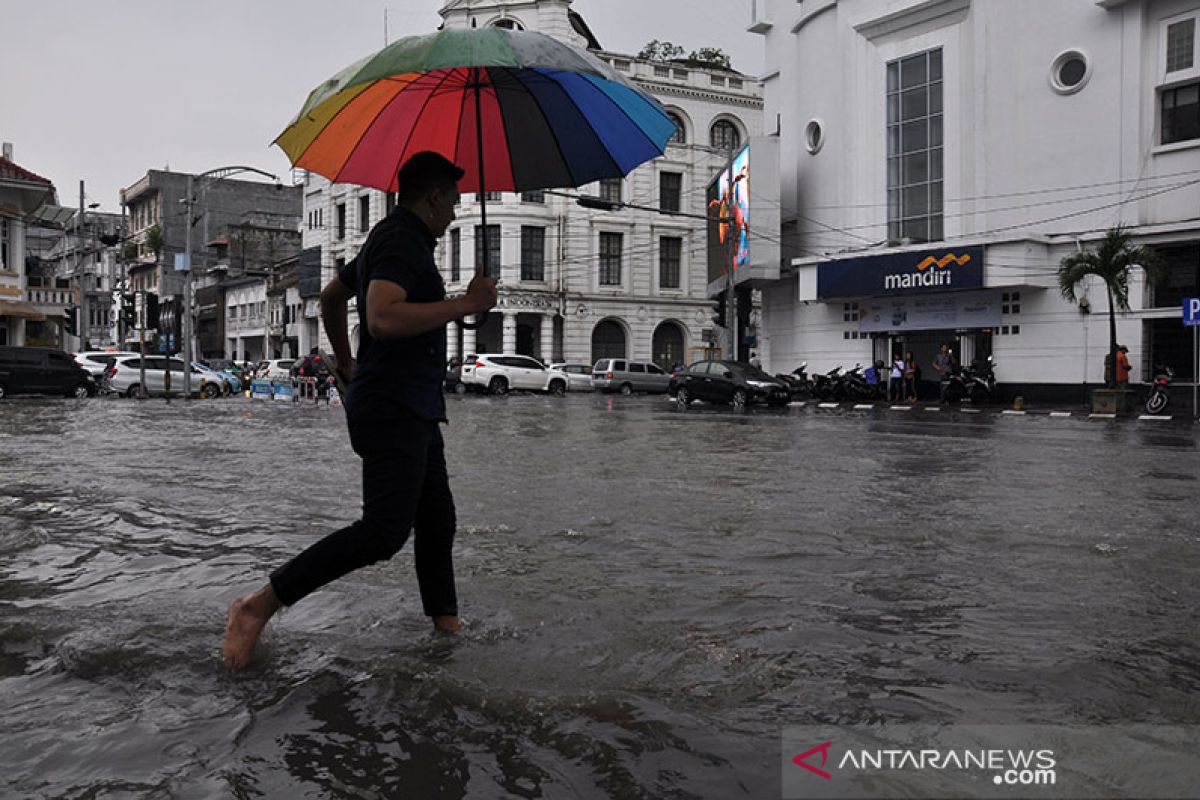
<point x="578" y="284"/>
<point x="994" y="138"/>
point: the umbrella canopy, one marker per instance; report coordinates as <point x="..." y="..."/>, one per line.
<point x="552" y="115"/>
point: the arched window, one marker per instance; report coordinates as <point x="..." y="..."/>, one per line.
<point x="724" y="135"/>
<point x="510" y="24"/>
<point x="680" y="135"/>
<point x="608" y="341"/>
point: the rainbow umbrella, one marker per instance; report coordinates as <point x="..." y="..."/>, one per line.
<point x="517" y="110"/>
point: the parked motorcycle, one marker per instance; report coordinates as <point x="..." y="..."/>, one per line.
<point x="853" y="385"/>
<point x="980" y="381"/>
<point x="1157" y="402"/>
<point x="798" y="382"/>
<point x="977" y="382"/>
<point x="823" y="385"/>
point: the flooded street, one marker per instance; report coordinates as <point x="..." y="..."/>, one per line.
<point x="649" y="596"/>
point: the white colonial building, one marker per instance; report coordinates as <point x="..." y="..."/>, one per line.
<point x="579" y="284"/>
<point x="982" y="141"/>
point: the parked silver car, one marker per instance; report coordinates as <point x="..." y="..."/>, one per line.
<point x="125" y="377"/>
<point x="627" y="377"/>
<point x="579" y="376"/>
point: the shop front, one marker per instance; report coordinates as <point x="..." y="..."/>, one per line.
<point x="917" y="301"/>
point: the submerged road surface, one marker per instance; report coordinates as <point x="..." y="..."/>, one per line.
<point x="649" y="596"/>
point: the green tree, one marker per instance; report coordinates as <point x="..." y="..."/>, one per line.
<point x="1111" y="262"/>
<point x="710" y="57"/>
<point x="660" y="51"/>
<point x="154" y="240"/>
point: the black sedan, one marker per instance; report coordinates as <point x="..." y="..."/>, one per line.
<point x="731" y="382"/>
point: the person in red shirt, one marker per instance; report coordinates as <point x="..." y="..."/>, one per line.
<point x="1122" y="366"/>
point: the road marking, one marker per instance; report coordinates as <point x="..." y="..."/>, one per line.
<point x="1102" y="416"/>
<point x="1153" y="416"/>
<point x="864" y="407"/>
<point x="1060" y="413"/>
<point x="900" y="408"/>
<point x="970" y="410"/>
<point x="930" y="408"/>
<point x="828" y="405"/>
<point x="1013" y="412"/>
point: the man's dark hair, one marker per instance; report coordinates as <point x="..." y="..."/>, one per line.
<point x="423" y="173"/>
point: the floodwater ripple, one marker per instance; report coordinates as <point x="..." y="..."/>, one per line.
<point x="649" y="595"/>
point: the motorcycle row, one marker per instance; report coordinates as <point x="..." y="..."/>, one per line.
<point x="976" y="383"/>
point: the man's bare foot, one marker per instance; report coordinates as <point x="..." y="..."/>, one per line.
<point x="448" y="623"/>
<point x="246" y="619"/>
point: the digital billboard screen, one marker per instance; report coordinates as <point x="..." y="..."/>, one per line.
<point x="729" y="214"/>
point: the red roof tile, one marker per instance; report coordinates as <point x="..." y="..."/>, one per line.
<point x="15" y="172"/>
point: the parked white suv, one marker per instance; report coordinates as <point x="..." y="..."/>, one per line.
<point x="125" y="377"/>
<point x="498" y="373"/>
<point x="96" y="362"/>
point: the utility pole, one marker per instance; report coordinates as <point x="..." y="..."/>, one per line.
<point x="189" y="201"/>
<point x="81" y="274"/>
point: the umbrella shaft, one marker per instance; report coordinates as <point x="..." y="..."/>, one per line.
<point x="483" y="262"/>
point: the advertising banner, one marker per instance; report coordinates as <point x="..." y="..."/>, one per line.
<point x="930" y="312"/>
<point x="911" y="273"/>
<point x="729" y="211"/>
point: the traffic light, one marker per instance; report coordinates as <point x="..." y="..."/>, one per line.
<point x="70" y="325"/>
<point x="128" y="311"/>
<point x="151" y="305"/>
<point x="718" y="310"/>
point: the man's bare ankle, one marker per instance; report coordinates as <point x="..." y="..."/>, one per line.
<point x="447" y="622"/>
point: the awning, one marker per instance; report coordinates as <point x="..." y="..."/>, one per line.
<point x="19" y="308"/>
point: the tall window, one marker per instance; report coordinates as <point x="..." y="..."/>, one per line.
<point x="5" y="254"/>
<point x="670" y="190"/>
<point x="680" y="134"/>
<point x="610" y="258"/>
<point x="533" y="253"/>
<point x="456" y="255"/>
<point x="533" y="197"/>
<point x="364" y="214"/>
<point x="610" y="190"/>
<point x="724" y="135"/>
<point x="341" y="221"/>
<point x="1179" y="93"/>
<point x="914" y="147"/>
<point x="670" y="251"/>
<point x="493" y="246"/>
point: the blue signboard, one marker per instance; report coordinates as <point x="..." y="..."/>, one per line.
<point x="914" y="272"/>
<point x="1191" y="312"/>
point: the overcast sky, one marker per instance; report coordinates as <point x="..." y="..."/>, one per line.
<point x="104" y="91"/>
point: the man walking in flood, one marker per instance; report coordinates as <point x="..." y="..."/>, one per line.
<point x="394" y="408"/>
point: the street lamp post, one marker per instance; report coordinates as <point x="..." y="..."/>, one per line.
<point x="206" y="179"/>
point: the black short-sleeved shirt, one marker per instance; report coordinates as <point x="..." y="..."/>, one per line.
<point x="398" y="378"/>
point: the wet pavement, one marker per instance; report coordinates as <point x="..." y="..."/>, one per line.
<point x="649" y="596"/>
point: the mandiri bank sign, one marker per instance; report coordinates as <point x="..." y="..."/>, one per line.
<point x="909" y="273"/>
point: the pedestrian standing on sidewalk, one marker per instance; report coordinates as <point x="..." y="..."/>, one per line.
<point x="896" y="379"/>
<point x="1123" y="367"/>
<point x="911" y="376"/>
<point x="393" y="411"/>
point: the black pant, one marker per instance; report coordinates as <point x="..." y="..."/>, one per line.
<point x="405" y="487"/>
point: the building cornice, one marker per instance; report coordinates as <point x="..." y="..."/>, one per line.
<point x="915" y="13"/>
<point x="670" y="90"/>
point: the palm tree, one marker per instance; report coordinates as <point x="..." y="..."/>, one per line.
<point x="1110" y="262"/>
